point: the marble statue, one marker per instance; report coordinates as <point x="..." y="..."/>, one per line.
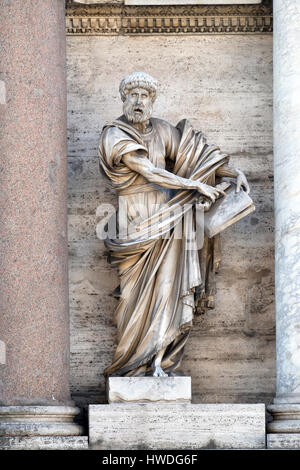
<point x="158" y="168"/>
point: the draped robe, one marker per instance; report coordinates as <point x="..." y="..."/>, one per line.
<point x="158" y="272"/>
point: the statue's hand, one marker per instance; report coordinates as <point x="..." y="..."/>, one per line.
<point x="209" y="191"/>
<point x="241" y="181"/>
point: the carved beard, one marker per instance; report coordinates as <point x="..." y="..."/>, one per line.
<point x="137" y="113"/>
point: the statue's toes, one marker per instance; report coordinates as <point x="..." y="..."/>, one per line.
<point x="159" y="372"/>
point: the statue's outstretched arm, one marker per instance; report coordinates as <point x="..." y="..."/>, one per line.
<point x="164" y="178"/>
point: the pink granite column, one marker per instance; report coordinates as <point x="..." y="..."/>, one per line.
<point x="34" y="322"/>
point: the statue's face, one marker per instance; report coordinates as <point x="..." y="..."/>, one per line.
<point x="138" y="105"/>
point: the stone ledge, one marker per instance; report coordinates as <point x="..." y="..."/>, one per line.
<point x="149" y="389"/>
<point x="283" y="441"/>
<point x="44" y="443"/>
<point x="179" y="2"/>
<point x="176" y="426"/>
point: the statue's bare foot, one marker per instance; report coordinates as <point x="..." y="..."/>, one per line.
<point x="158" y="372"/>
<point x="156" y="364"/>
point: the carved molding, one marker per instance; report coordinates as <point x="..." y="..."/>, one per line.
<point x="116" y="20"/>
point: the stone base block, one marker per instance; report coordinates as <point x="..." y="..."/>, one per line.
<point x="176" y="426"/>
<point x="283" y="441"/>
<point x="44" y="443"/>
<point x="39" y="421"/>
<point x="149" y="389"/>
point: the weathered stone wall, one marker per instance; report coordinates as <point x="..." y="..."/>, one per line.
<point x="223" y="84"/>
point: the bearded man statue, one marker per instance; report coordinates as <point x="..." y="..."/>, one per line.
<point x="156" y="169"/>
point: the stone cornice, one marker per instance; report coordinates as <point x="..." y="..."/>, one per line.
<point x="113" y="20"/>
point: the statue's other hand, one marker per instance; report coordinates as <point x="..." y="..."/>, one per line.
<point x="241" y="181"/>
<point x="209" y="191"/>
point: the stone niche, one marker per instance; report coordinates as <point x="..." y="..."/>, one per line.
<point x="223" y="84"/>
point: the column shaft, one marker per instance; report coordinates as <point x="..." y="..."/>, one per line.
<point x="286" y="408"/>
<point x="287" y="197"/>
<point x="34" y="324"/>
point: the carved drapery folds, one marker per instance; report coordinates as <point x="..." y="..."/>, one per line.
<point x="117" y="19"/>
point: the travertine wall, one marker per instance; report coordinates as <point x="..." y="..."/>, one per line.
<point x="223" y="84"/>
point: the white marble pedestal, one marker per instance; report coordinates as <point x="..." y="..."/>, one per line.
<point x="162" y="417"/>
<point x="149" y="389"/>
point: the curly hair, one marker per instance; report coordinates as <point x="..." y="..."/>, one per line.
<point x="141" y="80"/>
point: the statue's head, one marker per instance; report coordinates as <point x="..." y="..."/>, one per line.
<point x="138" y="93"/>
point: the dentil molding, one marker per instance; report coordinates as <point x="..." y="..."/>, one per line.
<point x="115" y="19"/>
